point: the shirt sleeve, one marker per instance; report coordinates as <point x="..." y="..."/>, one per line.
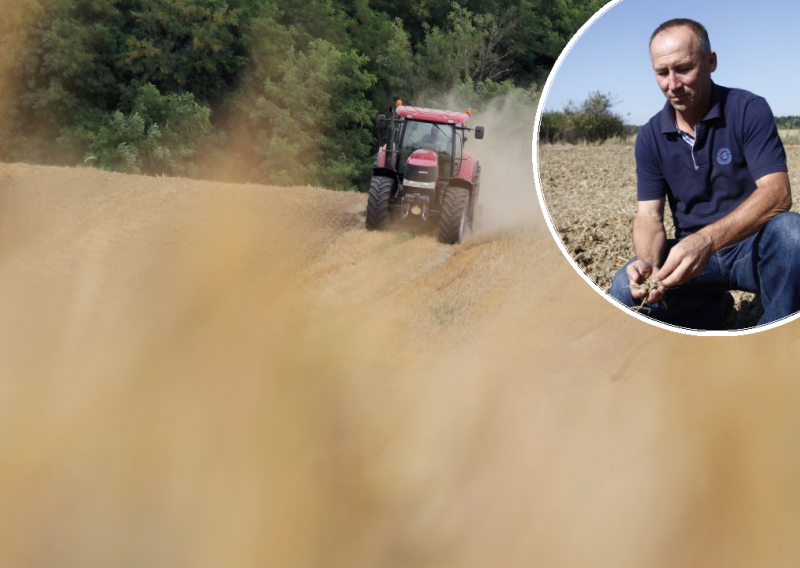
<point x="650" y="181"/>
<point x="763" y="148"/>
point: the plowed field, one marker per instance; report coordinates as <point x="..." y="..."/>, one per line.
<point x="203" y="374"/>
<point x="591" y="197"/>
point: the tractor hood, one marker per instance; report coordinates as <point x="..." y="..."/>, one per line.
<point x="422" y="171"/>
<point x="423" y="158"/>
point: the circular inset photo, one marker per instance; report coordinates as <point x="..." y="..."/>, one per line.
<point x="667" y="149"/>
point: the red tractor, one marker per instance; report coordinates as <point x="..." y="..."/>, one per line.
<point x="422" y="173"/>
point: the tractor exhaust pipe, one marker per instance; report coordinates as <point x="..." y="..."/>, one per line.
<point x="390" y="145"/>
<point x="390" y="142"/>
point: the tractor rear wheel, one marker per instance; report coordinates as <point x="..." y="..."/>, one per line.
<point x="455" y="210"/>
<point x="380" y="190"/>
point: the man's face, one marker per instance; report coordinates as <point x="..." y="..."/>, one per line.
<point x="682" y="72"/>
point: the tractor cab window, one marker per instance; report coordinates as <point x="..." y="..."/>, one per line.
<point x="457" y="149"/>
<point x="432" y="136"/>
<point x="438" y="138"/>
<point x="418" y="135"/>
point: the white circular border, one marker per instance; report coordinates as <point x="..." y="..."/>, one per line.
<point x="557" y="238"/>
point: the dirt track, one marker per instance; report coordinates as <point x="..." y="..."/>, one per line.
<point x="200" y="374"/>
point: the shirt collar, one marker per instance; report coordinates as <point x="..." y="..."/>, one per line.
<point x="714" y="111"/>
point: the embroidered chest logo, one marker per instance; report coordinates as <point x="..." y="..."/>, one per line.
<point x="724" y="156"/>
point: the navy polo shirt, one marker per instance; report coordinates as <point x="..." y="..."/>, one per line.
<point x="735" y="144"/>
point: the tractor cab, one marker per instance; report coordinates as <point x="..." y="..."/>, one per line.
<point x="439" y="138"/>
<point x="418" y="139"/>
<point x="422" y="171"/>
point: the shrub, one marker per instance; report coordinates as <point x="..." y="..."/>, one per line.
<point x="589" y="121"/>
<point x="159" y="136"/>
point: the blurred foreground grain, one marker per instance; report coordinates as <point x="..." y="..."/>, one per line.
<point x="199" y="374"/>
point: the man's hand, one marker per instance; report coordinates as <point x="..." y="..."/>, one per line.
<point x="639" y="271"/>
<point x="649" y="240"/>
<point x="686" y="260"/>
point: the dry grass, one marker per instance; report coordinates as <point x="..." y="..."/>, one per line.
<point x="789" y="136"/>
<point x="613" y="141"/>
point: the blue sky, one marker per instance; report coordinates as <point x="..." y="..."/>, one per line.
<point x="757" y="43"/>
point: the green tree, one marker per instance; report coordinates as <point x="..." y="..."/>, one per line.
<point x="594" y="120"/>
<point x="465" y="50"/>
<point x="16" y="27"/>
<point x="160" y="135"/>
<point x="528" y="35"/>
<point x="552" y="128"/>
<point x="787" y="121"/>
<point x="591" y="120"/>
<point x="313" y="120"/>
<point x="73" y="74"/>
<point x="192" y="46"/>
<point x="84" y="61"/>
<point x="544" y="29"/>
<point x="312" y="19"/>
<point x="388" y="47"/>
<point x="66" y="66"/>
<point x="471" y="53"/>
<point x="417" y="15"/>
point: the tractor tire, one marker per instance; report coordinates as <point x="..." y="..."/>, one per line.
<point x="455" y="210"/>
<point x="380" y="190"/>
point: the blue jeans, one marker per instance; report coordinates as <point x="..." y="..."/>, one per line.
<point x="767" y="263"/>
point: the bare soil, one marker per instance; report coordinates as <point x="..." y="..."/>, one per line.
<point x="590" y="193"/>
<point x="204" y="374"/>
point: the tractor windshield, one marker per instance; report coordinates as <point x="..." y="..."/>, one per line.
<point x="437" y="137"/>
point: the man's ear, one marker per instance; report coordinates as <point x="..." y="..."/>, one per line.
<point x="712" y="61"/>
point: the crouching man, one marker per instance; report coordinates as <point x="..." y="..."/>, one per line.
<point x="715" y="155"/>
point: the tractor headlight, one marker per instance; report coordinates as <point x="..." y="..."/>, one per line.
<point x="419" y="184"/>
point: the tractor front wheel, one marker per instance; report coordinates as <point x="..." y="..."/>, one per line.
<point x="380" y="190"/>
<point x="455" y="209"/>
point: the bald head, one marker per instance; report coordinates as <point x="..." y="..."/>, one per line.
<point x="698" y="30"/>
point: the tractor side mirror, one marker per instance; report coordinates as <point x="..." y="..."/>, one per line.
<point x="479" y="132"/>
<point x="380" y="122"/>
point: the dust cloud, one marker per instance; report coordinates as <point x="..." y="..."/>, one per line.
<point x="18" y="17"/>
<point x="205" y="374"/>
<point x="508" y="194"/>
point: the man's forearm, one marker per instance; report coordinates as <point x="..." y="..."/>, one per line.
<point x="772" y="196"/>
<point x="688" y="258"/>
<point x="649" y="239"/>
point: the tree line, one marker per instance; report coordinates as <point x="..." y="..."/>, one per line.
<point x="787" y="122"/>
<point x="593" y="120"/>
<point x="283" y="92"/>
